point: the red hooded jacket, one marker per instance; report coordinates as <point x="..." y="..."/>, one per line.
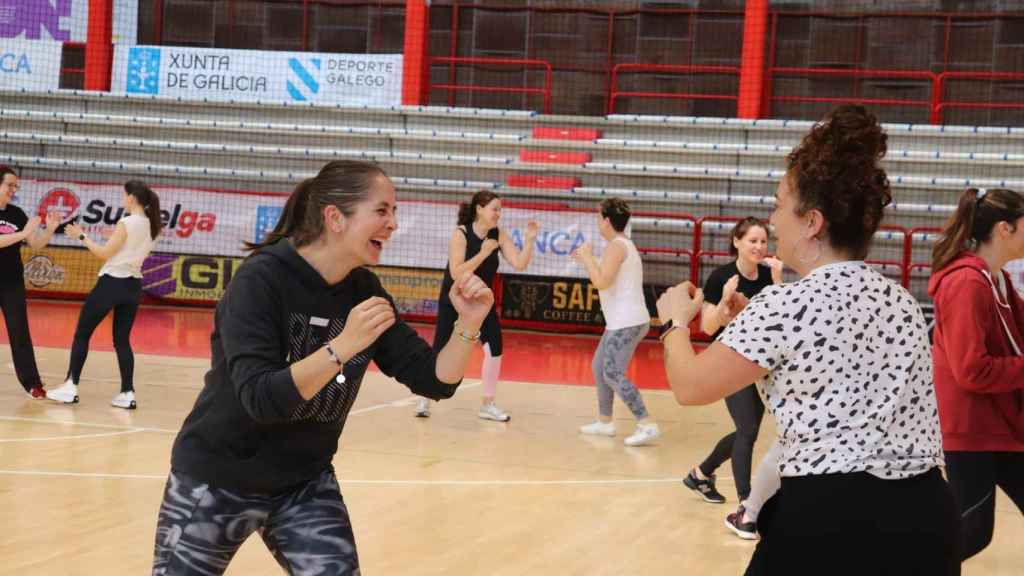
<point x="979" y="377"/>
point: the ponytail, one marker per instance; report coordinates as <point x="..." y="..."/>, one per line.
<point x="341" y="183"/>
<point x="467" y="210"/>
<point x="293" y="214"/>
<point x="976" y="214"/>
<point x="150" y="202"/>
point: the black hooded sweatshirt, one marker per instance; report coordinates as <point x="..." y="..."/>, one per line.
<point x="250" y="430"/>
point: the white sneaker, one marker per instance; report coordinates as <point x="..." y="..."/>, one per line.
<point x="423" y="408"/>
<point x="492" y="412"/>
<point x="68" y="393"/>
<point x="124" y="400"/>
<point x="598" y="428"/>
<point x="644" y="435"/>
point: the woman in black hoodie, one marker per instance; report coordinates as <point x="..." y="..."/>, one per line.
<point x="294" y="333"/>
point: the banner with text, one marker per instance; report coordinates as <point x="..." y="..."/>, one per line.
<point x="29" y="65"/>
<point x="64" y="20"/>
<point x="560" y="300"/>
<point x="215" y="223"/>
<point x="223" y="74"/>
<point x="60" y="270"/>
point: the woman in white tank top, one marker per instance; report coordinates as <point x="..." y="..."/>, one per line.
<point x="119" y="288"/>
<point x="619" y="278"/>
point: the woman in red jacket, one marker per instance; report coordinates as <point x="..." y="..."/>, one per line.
<point x="979" y="369"/>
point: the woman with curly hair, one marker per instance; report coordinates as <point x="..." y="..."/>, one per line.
<point x="843" y="363"/>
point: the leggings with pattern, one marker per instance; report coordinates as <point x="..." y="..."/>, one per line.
<point x="610" y="362"/>
<point x="200" y="528"/>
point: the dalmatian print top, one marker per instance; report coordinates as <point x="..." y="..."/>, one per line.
<point x="850" y="373"/>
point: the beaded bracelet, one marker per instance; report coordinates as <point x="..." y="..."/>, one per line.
<point x="466" y="337"/>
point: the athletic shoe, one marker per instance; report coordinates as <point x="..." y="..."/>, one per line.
<point x="36" y="393"/>
<point x="67" y="394"/>
<point x="423" y="408"/>
<point x="645" y="434"/>
<point x="745" y="530"/>
<point x="124" y="400"/>
<point x="598" y="428"/>
<point x="706" y="488"/>
<point x="491" y="412"/>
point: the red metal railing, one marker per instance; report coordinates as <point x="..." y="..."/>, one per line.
<point x="453" y="87"/>
<point x="855" y="74"/>
<point x="615" y="93"/>
<point x="940" y="84"/>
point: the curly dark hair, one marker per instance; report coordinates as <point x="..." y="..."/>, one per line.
<point x="616" y="210"/>
<point x="835" y="170"/>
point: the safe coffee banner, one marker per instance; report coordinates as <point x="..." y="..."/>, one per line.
<point x="258" y="75"/>
<point x="29" y="65"/>
<point x="553" y="300"/>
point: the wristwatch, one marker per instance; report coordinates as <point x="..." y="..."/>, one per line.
<point x="81" y="237"/>
<point x="666" y="328"/>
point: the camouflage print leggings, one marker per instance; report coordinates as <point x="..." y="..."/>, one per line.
<point x="201" y="527"/>
<point x="611" y="359"/>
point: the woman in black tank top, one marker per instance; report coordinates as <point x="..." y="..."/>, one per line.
<point x="473" y="249"/>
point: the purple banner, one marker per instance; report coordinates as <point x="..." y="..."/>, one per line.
<point x="35" y="19"/>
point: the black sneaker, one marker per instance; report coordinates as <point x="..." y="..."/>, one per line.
<point x="706" y="488"/>
<point x="745" y="530"/>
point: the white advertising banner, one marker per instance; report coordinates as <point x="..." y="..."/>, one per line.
<point x="424" y="230"/>
<point x="195" y="222"/>
<point x="251" y="75"/>
<point x="29" y="64"/>
<point x="63" y="20"/>
<point x="215" y="223"/>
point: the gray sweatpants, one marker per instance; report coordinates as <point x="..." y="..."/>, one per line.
<point x="610" y="362"/>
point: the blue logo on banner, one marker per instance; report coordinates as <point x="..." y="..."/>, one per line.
<point x="303" y="81"/>
<point x="143" y="71"/>
<point x="266" y="219"/>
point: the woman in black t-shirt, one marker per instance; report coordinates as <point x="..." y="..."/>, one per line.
<point x="725" y="292"/>
<point x="15" y="228"/>
<point x="474" y="247"/>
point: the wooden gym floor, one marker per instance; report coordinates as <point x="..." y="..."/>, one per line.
<point x="450" y="495"/>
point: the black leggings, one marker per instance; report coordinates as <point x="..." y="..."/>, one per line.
<point x="974" y="477"/>
<point x="858" y="524"/>
<point x="746" y="409"/>
<point x="12" y="302"/>
<point x="122" y="296"/>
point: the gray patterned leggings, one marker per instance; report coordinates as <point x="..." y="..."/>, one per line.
<point x="610" y="362"/>
<point x="307" y="529"/>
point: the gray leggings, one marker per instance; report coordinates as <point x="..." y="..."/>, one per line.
<point x="610" y="362"/>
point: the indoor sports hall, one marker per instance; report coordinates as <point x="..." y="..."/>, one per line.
<point x="145" y="143"/>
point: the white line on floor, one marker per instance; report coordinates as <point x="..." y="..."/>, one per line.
<point x="76" y="437"/>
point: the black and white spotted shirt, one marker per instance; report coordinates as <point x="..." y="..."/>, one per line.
<point x="850" y="373"/>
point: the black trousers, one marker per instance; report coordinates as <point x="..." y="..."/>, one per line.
<point x="12" y="302"/>
<point x="858" y="524"/>
<point x="747" y="410"/>
<point x="122" y="296"/>
<point x="974" y="477"/>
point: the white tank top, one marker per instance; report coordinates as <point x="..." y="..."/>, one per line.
<point x="623" y="301"/>
<point x="127" y="263"/>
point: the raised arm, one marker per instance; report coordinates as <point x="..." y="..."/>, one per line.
<point x="101" y="251"/>
<point x="458" y="266"/>
<point x="602" y="274"/>
<point x="519" y="259"/>
<point x="11" y="239"/>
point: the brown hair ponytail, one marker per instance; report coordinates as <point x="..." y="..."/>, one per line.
<point x="971" y="224"/>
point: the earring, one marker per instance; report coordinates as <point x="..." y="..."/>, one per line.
<point x="817" y="252"/>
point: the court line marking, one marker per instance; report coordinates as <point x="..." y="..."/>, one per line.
<point x="73" y="437"/>
<point x="344" y="481"/>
